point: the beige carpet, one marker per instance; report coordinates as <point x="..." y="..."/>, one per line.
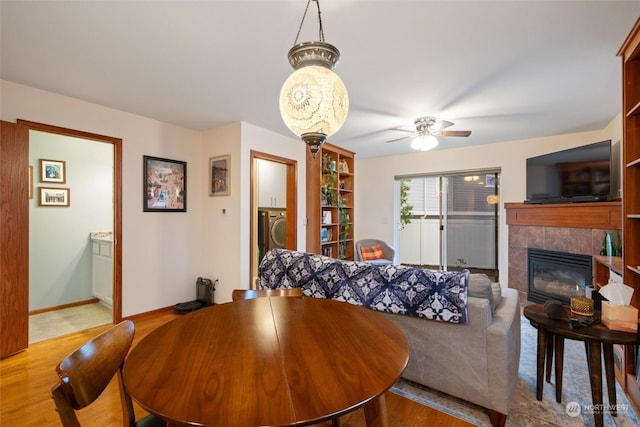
<point x="68" y="320"/>
<point x="526" y="410"/>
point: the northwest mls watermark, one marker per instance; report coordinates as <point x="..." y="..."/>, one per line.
<point x="574" y="409"/>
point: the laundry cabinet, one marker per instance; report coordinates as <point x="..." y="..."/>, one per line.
<point x="272" y="184"/>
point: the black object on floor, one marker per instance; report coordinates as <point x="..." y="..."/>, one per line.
<point x="205" y="289"/>
<point x="187" y="307"/>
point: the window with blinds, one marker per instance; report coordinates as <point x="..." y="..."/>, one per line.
<point x="467" y="194"/>
<point x="423" y="195"/>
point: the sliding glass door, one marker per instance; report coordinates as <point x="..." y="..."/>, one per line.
<point x="449" y="221"/>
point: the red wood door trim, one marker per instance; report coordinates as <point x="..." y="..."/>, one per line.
<point x="14" y="239"/>
<point x="117" y="199"/>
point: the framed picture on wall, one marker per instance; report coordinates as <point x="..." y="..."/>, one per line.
<point x="53" y="196"/>
<point x="53" y="171"/>
<point x="164" y="185"/>
<point x="219" y="174"/>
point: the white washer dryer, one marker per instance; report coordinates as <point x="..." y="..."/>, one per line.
<point x="277" y="228"/>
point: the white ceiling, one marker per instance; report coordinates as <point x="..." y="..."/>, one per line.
<point x="506" y="70"/>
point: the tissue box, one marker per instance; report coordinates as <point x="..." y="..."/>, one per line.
<point x="619" y="317"/>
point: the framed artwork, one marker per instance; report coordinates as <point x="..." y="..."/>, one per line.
<point x="52" y="196"/>
<point x="219" y="173"/>
<point x="164" y="185"/>
<point x="30" y="182"/>
<point x="53" y="171"/>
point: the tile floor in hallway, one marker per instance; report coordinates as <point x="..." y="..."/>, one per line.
<point x="56" y="323"/>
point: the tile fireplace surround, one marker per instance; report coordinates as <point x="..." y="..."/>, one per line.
<point x="576" y="228"/>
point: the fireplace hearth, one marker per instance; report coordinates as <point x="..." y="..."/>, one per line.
<point x="557" y="275"/>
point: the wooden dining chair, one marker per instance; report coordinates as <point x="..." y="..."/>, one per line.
<point x="240" y="294"/>
<point x="85" y="373"/>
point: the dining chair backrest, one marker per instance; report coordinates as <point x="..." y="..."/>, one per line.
<point x="240" y="294"/>
<point x="84" y="374"/>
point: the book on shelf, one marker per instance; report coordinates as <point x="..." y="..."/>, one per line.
<point x="326" y="217"/>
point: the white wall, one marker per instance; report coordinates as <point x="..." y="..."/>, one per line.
<point x="375" y="215"/>
<point x="165" y="252"/>
<point x="226" y="237"/>
<point x="60" y="252"/>
<point x="162" y="252"/>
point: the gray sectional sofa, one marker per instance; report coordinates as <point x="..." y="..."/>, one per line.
<point x="463" y="330"/>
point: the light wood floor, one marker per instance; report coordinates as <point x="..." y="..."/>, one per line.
<point x="26" y="379"/>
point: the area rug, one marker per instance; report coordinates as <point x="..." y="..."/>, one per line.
<point x="526" y="410"/>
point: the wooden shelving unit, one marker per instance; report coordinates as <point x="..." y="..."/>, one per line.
<point x="330" y="197"/>
<point x="602" y="268"/>
<point x="630" y="54"/>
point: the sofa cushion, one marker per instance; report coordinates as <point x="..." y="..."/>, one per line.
<point x="371" y="253"/>
<point x="380" y="261"/>
<point x="497" y="294"/>
<point x="480" y="287"/>
<point x="431" y="294"/>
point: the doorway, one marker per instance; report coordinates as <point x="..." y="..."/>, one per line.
<point x="273" y="206"/>
<point x="450" y="221"/>
<point x="74" y="281"/>
<point x="104" y="191"/>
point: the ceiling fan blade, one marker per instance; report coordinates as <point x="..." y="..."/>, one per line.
<point x="400" y="139"/>
<point x="455" y="133"/>
<point x="441" y="124"/>
<point x="403" y="130"/>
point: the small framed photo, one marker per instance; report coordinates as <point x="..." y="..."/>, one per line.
<point x="50" y="196"/>
<point x="164" y="185"/>
<point x="219" y="173"/>
<point x="53" y="171"/>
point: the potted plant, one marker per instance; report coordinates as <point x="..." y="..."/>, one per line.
<point x="405" y="207"/>
<point x="344" y="231"/>
<point x="329" y="180"/>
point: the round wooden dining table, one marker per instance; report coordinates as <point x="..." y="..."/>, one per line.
<point x="275" y="361"/>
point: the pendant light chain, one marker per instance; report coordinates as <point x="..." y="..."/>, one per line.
<point x="320" y="30"/>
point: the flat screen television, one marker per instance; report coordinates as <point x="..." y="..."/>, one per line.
<point x="580" y="174"/>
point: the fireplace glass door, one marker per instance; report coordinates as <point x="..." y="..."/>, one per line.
<point x="557" y="275"/>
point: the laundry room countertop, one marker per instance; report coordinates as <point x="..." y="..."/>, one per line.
<point x="102" y="236"/>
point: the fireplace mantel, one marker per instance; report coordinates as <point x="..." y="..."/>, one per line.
<point x="577" y="228"/>
<point x="604" y="215"/>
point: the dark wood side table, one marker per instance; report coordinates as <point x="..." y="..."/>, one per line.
<point x="598" y="339"/>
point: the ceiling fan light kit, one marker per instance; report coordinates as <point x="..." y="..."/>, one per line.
<point x="424" y="142"/>
<point x="313" y="101"/>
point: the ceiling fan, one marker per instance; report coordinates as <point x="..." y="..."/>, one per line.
<point x="427" y="128"/>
